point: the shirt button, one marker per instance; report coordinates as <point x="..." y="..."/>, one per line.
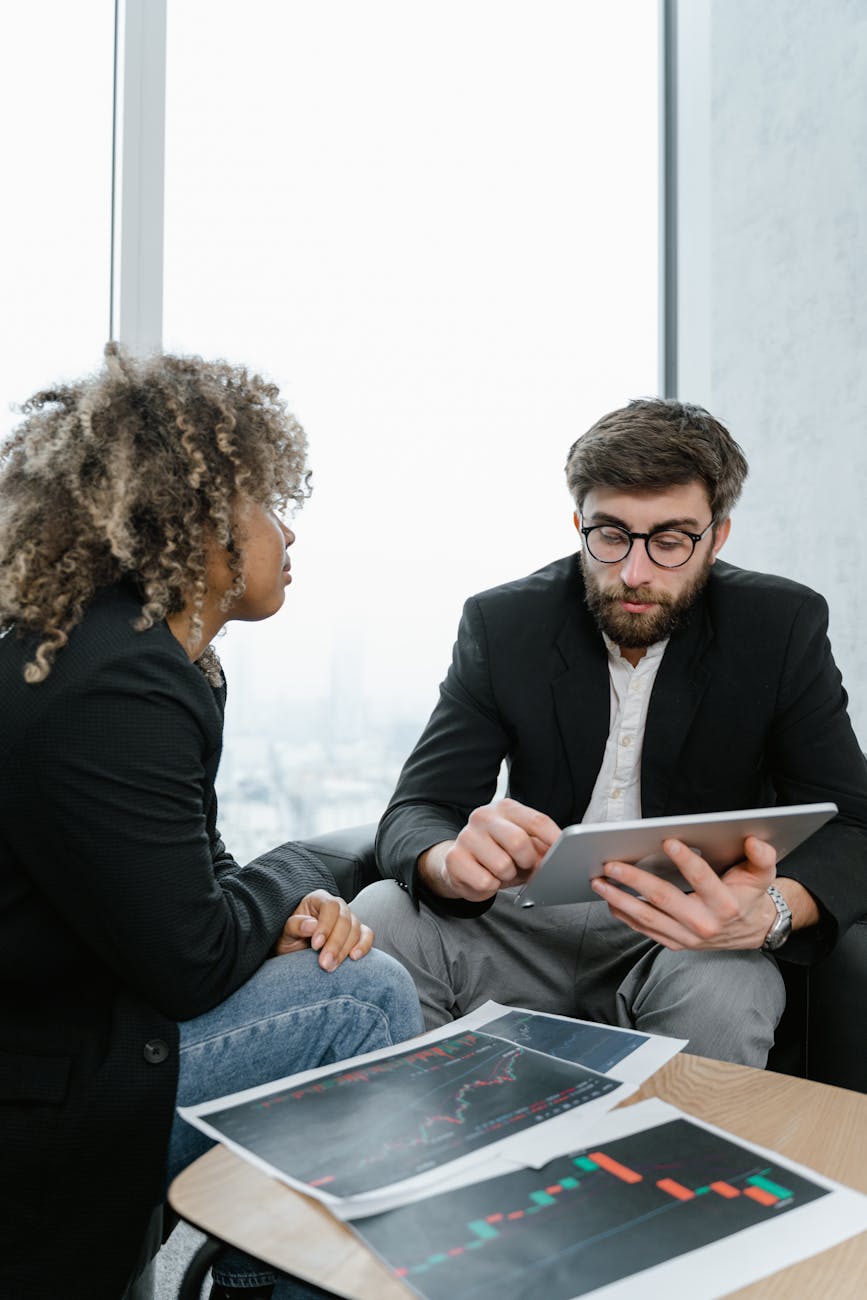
<point x="615" y="794"/>
<point x="636" y="684"/>
<point x="155" y="1051"/>
<point x="626" y="740"/>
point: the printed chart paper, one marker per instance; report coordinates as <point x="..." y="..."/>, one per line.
<point x="456" y="1104"/>
<point x="623" y="1054"/>
<point x="659" y="1204"/>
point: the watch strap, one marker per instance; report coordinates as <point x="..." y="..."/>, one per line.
<point x="782" y="926"/>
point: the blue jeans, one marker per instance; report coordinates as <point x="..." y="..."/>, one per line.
<point x="290" y="1016"/>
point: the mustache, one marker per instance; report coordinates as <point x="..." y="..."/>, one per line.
<point x="634" y="595"/>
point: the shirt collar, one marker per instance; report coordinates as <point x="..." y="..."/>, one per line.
<point x="652" y="655"/>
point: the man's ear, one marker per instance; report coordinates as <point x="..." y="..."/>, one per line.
<point x="720" y="537"/>
<point x="576" y="519"/>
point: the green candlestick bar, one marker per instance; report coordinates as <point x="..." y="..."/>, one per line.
<point x="482" y="1229"/>
<point x="583" y="1162"/>
<point x="774" y="1188"/>
<point x="542" y="1198"/>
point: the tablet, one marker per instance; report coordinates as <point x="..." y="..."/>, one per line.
<point x="565" y="872"/>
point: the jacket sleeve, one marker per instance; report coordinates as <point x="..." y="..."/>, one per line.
<point x="813" y="757"/>
<point x="114" y="835"/>
<point x="452" y="769"/>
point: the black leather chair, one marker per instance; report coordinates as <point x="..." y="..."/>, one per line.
<point x="822" y="1033"/>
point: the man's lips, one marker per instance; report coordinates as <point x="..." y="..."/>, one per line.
<point x="635" y="607"/>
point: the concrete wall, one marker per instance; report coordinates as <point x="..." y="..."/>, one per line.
<point x="772" y="283"/>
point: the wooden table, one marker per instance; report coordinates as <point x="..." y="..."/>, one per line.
<point x="821" y="1127"/>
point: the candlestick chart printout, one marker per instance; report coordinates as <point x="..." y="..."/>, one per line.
<point x="367" y="1127"/>
<point x="584" y="1220"/>
<point x="596" y="1046"/>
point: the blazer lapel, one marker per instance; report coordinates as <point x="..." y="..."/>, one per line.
<point x="680" y="684"/>
<point x="582" y="700"/>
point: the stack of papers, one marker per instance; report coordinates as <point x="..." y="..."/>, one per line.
<point x="485" y="1161"/>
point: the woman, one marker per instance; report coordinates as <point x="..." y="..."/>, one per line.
<point x="140" y="966"/>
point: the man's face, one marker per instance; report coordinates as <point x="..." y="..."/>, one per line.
<point x="634" y="601"/>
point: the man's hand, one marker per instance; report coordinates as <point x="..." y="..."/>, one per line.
<point x="325" y="923"/>
<point x="728" y="911"/>
<point x="501" y="845"/>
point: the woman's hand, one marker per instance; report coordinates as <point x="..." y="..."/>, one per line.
<point x="325" y="923"/>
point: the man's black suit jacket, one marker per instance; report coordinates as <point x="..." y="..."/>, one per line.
<point x="747" y="710"/>
<point x="121" y="913"/>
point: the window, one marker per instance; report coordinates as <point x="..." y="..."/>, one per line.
<point x="436" y="226"/>
<point x="56" y="164"/>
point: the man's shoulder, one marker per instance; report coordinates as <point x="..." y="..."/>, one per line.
<point x="554" y="585"/>
<point x="735" y="589"/>
<point x="533" y="608"/>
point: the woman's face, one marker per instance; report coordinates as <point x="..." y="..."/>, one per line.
<point x="264" y="540"/>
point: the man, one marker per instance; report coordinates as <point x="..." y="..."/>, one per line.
<point x="642" y="677"/>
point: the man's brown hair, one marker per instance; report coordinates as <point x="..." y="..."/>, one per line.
<point x="657" y="442"/>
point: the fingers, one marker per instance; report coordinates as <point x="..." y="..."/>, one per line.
<point x="644" y="917"/>
<point x="326" y="924"/>
<point x="722" y="912"/>
<point x="539" y="828"/>
<point x="756" y="873"/>
<point x="466" y="877"/>
<point x="763" y="857"/>
<point x="298" y="930"/>
<point x="501" y="845"/>
<point x="667" y="897"/>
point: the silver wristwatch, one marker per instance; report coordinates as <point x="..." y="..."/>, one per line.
<point x="782" y="927"/>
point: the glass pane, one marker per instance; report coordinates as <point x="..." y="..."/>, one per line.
<point x="436" y="227"/>
<point x="56" y="62"/>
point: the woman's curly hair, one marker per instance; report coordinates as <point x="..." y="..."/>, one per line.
<point x="131" y="473"/>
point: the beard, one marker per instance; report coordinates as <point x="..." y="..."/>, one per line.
<point x="638" y="631"/>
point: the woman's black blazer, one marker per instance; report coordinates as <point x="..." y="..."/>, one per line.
<point x="121" y="913"/>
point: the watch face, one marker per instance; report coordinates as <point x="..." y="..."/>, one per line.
<point x="778" y="935"/>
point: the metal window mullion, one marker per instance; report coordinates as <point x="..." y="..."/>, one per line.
<point x="139" y="171"/>
<point x="668" y="199"/>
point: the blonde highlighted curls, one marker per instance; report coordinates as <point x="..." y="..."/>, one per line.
<point x="130" y="473"/>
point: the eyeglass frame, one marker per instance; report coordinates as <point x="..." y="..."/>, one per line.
<point x="695" y="538"/>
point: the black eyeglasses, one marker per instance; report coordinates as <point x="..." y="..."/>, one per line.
<point x="668" y="548"/>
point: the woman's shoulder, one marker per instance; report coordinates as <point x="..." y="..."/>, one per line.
<point x="106" y="654"/>
<point x="108" y="636"/>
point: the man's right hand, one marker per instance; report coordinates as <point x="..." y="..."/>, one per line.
<point x="501" y="845"/>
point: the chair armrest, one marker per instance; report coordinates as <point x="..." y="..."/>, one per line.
<point x="838" y="996"/>
<point x="349" y="856"/>
<point x="789" y="1053"/>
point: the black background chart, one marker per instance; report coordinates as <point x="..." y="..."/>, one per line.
<point x="596" y="1228"/>
<point x="359" y="1129"/>
<point x="597" y="1046"/>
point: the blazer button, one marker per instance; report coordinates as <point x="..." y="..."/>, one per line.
<point x="155" y="1051"/>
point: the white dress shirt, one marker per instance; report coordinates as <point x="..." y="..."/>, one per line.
<point x="617" y="793"/>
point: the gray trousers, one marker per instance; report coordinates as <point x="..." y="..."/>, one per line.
<point x="579" y="961"/>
